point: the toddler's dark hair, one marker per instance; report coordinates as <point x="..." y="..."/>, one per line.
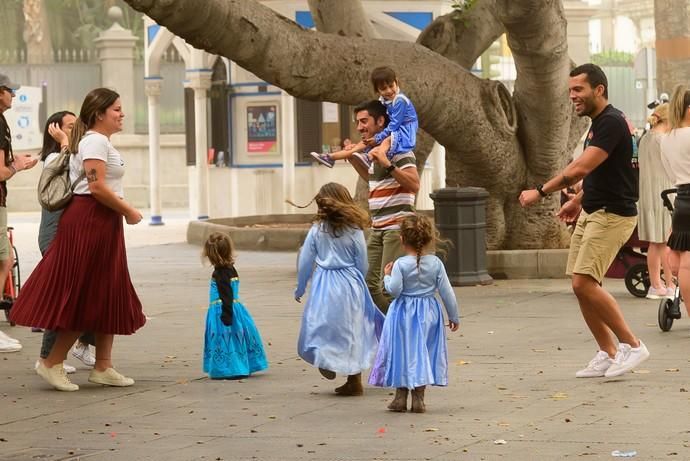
<point x="219" y="250"/>
<point x="417" y="232"/>
<point x="383" y="76"/>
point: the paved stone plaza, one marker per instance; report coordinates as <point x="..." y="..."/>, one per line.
<point x="512" y="367"/>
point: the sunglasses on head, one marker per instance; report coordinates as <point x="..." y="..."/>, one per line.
<point x="12" y="92"/>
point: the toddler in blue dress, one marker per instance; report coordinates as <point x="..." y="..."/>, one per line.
<point x="341" y="324"/>
<point x="412" y="353"/>
<point x="232" y="344"/>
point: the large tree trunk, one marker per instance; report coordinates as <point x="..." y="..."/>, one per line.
<point x="477" y="120"/>
<point x="348" y="19"/>
<point x="672" y="26"/>
<point x="39" y="47"/>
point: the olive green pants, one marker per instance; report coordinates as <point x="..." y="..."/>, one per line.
<point x="383" y="246"/>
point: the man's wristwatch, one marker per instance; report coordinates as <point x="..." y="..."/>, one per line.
<point x="540" y="189"/>
<point x="390" y="168"/>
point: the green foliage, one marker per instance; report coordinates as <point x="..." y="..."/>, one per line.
<point x="614" y="58"/>
<point x="462" y="6"/>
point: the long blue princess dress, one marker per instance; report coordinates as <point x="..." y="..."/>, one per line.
<point x="413" y="351"/>
<point x="233" y="350"/>
<point x="340" y="324"/>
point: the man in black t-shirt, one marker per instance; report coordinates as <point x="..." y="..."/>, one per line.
<point x="608" y="216"/>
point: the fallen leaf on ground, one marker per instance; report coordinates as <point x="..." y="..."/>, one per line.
<point x="559" y="396"/>
<point x="500" y="442"/>
<point x="462" y="362"/>
<point x="431" y="429"/>
<point x="641" y="372"/>
<point x="672" y="370"/>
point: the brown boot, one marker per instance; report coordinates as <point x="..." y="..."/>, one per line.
<point x="353" y="386"/>
<point x="418" y="400"/>
<point x="399" y="402"/>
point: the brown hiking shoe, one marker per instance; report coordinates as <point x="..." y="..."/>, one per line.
<point x="399" y="403"/>
<point x="353" y="386"/>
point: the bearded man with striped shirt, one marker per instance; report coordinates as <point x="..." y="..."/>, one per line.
<point x="393" y="185"/>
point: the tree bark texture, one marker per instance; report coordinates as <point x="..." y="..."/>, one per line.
<point x="476" y="120"/>
<point x="672" y="25"/>
<point x="348" y="19"/>
<point x="39" y="47"/>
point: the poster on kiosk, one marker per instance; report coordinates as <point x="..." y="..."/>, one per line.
<point x="23" y="119"/>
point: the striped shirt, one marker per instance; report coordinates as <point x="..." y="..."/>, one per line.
<point x="389" y="202"/>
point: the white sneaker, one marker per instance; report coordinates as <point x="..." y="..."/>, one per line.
<point x="626" y="359"/>
<point x="110" y="377"/>
<point x="56" y="377"/>
<point x="653" y="293"/>
<point x="5" y="337"/>
<point x="69" y="369"/>
<point x="83" y="352"/>
<point x="9" y="346"/>
<point x="596" y="368"/>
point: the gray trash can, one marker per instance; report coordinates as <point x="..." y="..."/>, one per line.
<point x="460" y="215"/>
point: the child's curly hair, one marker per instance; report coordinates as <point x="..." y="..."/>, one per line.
<point x="417" y="232"/>
<point x="219" y="250"/>
<point x="337" y="209"/>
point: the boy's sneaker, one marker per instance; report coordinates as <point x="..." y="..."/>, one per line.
<point x="626" y="359"/>
<point x="596" y="368"/>
<point x="83" y="352"/>
<point x="56" y="377"/>
<point x="364" y="158"/>
<point x="653" y="293"/>
<point x="323" y="159"/>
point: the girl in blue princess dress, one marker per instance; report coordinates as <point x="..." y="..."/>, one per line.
<point x="412" y="353"/>
<point x="232" y="344"/>
<point x="341" y="324"/>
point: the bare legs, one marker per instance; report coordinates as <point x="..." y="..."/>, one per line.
<point x="680" y="266"/>
<point x="656" y="258"/>
<point x="602" y="315"/>
<point x="66" y="339"/>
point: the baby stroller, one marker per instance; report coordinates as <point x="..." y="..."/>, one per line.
<point x="669" y="309"/>
<point x="631" y="264"/>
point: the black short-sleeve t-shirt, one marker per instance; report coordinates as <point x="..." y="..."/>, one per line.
<point x="5" y="145"/>
<point x="613" y="185"/>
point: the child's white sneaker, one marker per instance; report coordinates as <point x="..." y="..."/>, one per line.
<point x="596" y="368"/>
<point x="110" y="377"/>
<point x="83" y="352"/>
<point x="627" y="358"/>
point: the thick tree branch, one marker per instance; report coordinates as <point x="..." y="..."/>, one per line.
<point x="463" y="37"/>
<point x="318" y="66"/>
<point x="342" y="17"/>
<point x="537" y="38"/>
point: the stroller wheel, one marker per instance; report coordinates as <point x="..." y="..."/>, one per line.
<point x="665" y="315"/>
<point x="637" y="280"/>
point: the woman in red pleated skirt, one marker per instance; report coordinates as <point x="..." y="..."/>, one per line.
<point x="82" y="283"/>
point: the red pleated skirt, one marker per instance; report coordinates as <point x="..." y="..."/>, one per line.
<point x="82" y="283"/>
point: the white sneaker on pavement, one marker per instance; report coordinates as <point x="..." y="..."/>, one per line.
<point x="654" y="293"/>
<point x="596" y="368"/>
<point x="9" y="346"/>
<point x="110" y="377"/>
<point x="83" y="352"/>
<point x="56" y="377"/>
<point x="6" y="337"/>
<point x="626" y="359"/>
<point x="69" y="369"/>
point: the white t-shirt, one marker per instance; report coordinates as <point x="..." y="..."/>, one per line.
<point x="97" y="146"/>
<point x="675" y="155"/>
